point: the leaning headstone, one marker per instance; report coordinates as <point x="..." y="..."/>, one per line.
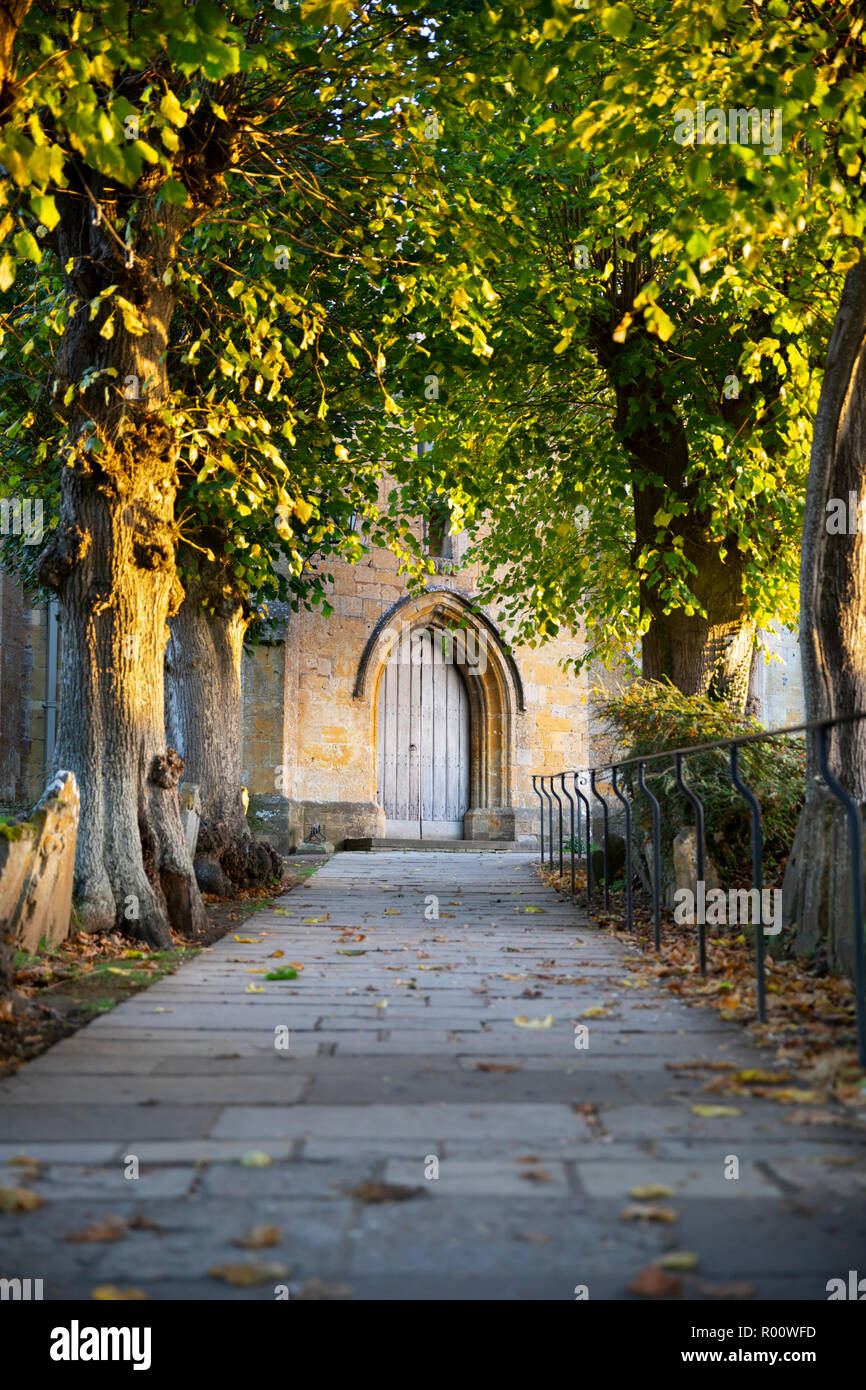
<point x="686" y="865"/>
<point x="190" y="813"/>
<point x="44" y="908"/>
<point x="615" y="859"/>
<point x="17" y="843"/>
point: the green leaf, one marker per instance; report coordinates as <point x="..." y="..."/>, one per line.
<point x="174" y="192"/>
<point x="28" y="247"/>
<point x="617" y="21"/>
<point x="45" y="208"/>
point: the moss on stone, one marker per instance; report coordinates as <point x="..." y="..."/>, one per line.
<point x="15" y="830"/>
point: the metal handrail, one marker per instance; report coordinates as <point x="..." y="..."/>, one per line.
<point x="732" y="747"/>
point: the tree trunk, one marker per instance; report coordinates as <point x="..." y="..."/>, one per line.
<point x="701" y="655"/>
<point x="111" y="562"/>
<point x="12" y="15"/>
<point x="204" y="720"/>
<point x="833" y="637"/>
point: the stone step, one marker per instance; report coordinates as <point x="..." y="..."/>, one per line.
<point x="449" y="846"/>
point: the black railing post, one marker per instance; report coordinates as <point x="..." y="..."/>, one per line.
<point x="567" y="793"/>
<point x="555" y="794"/>
<point x="698" y="808"/>
<point x="629" y="913"/>
<point x="541" y="799"/>
<point x="604" y="813"/>
<point x="581" y="797"/>
<point x="757" y="875"/>
<point x="855" y="845"/>
<point x="657" y="858"/>
<point x="549" y="818"/>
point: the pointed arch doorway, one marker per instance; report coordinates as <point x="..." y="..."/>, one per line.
<point x="423" y="740"/>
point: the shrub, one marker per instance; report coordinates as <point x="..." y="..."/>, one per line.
<point x="651" y="716"/>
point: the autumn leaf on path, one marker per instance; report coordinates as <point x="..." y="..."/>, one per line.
<point x="650" y="1189"/>
<point x="257" y="1237"/>
<point x="715" y="1112"/>
<point x="110" y="1293"/>
<point x="255" y="1159"/>
<point x="655" y="1283"/>
<point x="254" y="989"/>
<point x="383" y="1192"/>
<point x="19" y="1199"/>
<point x="595" y="1012"/>
<point x="108" y="1228"/>
<point x="499" y="1066"/>
<point x="643" y="1213"/>
<point x="523" y="1022"/>
<point x="244" y="1276"/>
<point x="678" y="1259"/>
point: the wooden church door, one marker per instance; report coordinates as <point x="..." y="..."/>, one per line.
<point x="423" y="741"/>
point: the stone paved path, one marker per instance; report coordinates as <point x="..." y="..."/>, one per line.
<point x="527" y="1204"/>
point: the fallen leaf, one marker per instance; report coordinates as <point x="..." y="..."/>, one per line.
<point x="753" y="1075"/>
<point x="284" y="973"/>
<point x="110" y="1293"/>
<point x="254" y="989"/>
<point x="257" y="1237"/>
<point x="792" y="1095"/>
<point x="351" y="953"/>
<point x="595" y="1012"/>
<point x="536" y="1175"/>
<point x="715" y="1112"/>
<point x="249" y="940"/>
<point x="678" y="1259"/>
<point x="19" y="1199"/>
<point x="256" y="1159"/>
<point x="529" y="908"/>
<point x="649" y="1190"/>
<point x="383" y="1192"/>
<point x="498" y="1066"/>
<point x="108" y="1228"/>
<point x="523" y="1022"/>
<point x="243" y="1276"/>
<point x="654" y="1283"/>
<point x="641" y="1213"/>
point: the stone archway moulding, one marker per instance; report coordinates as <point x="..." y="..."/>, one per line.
<point x="495" y="697"/>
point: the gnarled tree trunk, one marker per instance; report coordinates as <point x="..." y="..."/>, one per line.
<point x="817" y="897"/>
<point x="204" y="719"/>
<point x="111" y="562"/>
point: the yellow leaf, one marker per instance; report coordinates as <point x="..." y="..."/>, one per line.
<point x="715" y="1112"/>
<point x="108" y="1293"/>
<point x="243" y="1276"/>
<point x="523" y="1022"/>
<point x="650" y="1189"/>
<point x="639" y="1213"/>
<point x="172" y="109"/>
<point x="254" y="989"/>
<point x="595" y="1012"/>
<point x="257" y="1237"/>
<point x="678" y="1259"/>
<point x="303" y="511"/>
<point x="19" y="1199"/>
<point x="256" y="1159"/>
